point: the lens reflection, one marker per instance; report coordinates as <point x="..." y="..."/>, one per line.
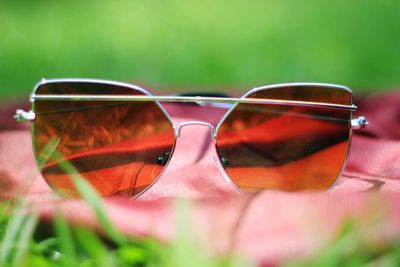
<point x="286" y="147"/>
<point x="114" y="145"/>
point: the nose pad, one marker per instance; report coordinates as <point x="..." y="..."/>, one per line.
<point x="192" y="170"/>
<point x="180" y="126"/>
<point x="219" y="161"/>
<point x="224" y="161"/>
<point x="163" y="159"/>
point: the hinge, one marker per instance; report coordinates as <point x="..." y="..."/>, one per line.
<point x="22" y="115"/>
<point x="360" y="122"/>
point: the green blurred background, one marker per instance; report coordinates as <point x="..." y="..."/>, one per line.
<point x="200" y="44"/>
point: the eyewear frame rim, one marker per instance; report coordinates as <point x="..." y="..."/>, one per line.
<point x="30" y="116"/>
<point x="22" y="115"/>
<point x="187" y="99"/>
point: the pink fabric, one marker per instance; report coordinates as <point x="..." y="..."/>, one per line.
<point x="269" y="227"/>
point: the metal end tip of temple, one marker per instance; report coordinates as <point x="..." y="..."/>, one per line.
<point x="22" y="115"/>
<point x="359" y="123"/>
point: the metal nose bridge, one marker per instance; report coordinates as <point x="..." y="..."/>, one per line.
<point x="178" y="129"/>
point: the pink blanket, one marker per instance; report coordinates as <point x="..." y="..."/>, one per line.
<point x="268" y="227"/>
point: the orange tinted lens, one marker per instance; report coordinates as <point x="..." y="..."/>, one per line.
<point x="286" y="147"/>
<point x="119" y="147"/>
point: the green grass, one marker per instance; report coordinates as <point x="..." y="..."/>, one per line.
<point x="68" y="245"/>
<point x="23" y="243"/>
<point x="207" y="43"/>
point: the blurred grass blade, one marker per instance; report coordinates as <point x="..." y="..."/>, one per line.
<point x="93" y="199"/>
<point x="186" y="249"/>
<point x="65" y="242"/>
<point x="49" y="152"/>
<point x="12" y="231"/>
<point x="90" y="242"/>
<point x="85" y="190"/>
<point x="23" y="243"/>
<point x="183" y="247"/>
<point x="90" y="195"/>
<point x="3" y="206"/>
<point x="47" y="244"/>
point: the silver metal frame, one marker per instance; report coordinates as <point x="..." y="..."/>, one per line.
<point x="31" y="116"/>
<point x="188" y="99"/>
<point x="356" y="122"/>
<point x="22" y="115"/>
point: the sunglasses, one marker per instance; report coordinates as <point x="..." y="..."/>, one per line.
<point x="120" y="138"/>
